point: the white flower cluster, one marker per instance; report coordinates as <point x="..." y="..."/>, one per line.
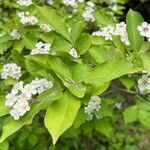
<point x="108" y="31"/>
<point x="41" y="48"/>
<point x="93" y="107"/>
<point x="144" y="30"/>
<point x="71" y="3"/>
<point x="105" y="32"/>
<point x="122" y="32"/>
<point x="26" y="18"/>
<point x="88" y="13"/>
<point x="46" y="27"/>
<point x="144" y="83"/>
<point x="24" y="2"/>
<point x="20" y="95"/>
<point x="73" y="52"/>
<point x="15" y="34"/>
<point x="11" y="70"/>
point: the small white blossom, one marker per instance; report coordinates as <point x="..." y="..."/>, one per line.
<point x="144" y="29"/>
<point x="144" y="83"/>
<point x="90" y="4"/>
<point x="120" y="28"/>
<point x="96" y="33"/>
<point x="15" y="34"/>
<point x="88" y="14"/>
<point x="93" y="107"/>
<point x="118" y="105"/>
<point x="71" y="3"/>
<point x="19" y="97"/>
<point x="26" y="18"/>
<point x="11" y="70"/>
<point x="41" y="48"/>
<point x="105" y="32"/>
<point x="19" y="109"/>
<point x="24" y="2"/>
<point x="46" y="27"/>
<point x="121" y="31"/>
<point x="73" y="52"/>
<point x="40" y="85"/>
<point x="10" y="99"/>
<point x="17" y="88"/>
<point x="50" y="2"/>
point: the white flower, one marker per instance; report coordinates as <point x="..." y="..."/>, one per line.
<point x="73" y="52"/>
<point x="46" y="27"/>
<point x="50" y="2"/>
<point x="26" y="18"/>
<point x="20" y="95"/>
<point x="11" y="70"/>
<point x="24" y="2"/>
<point x="124" y="39"/>
<point x="15" y="114"/>
<point x="15" y="34"/>
<point x="17" y="88"/>
<point x="118" y="105"/>
<point x="144" y="29"/>
<point x="88" y="14"/>
<point x="41" y="48"/>
<point x="28" y="90"/>
<point x="105" y="32"/>
<point x="96" y="33"/>
<point x="144" y="83"/>
<point x="19" y="109"/>
<point x="90" y="4"/>
<point x="71" y="3"/>
<point x="120" y="30"/>
<point x="93" y="107"/>
<point x="10" y="99"/>
<point x="32" y="20"/>
<point x="41" y="85"/>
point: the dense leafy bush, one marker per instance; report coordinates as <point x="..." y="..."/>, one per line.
<point x="75" y="66"/>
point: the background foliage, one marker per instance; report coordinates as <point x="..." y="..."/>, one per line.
<point x="121" y="103"/>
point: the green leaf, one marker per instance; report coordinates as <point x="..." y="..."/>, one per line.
<point x="29" y="41"/>
<point x="134" y="19"/>
<point x="36" y="70"/>
<point x="110" y="70"/>
<point x="79" y="71"/>
<point x="60" y="68"/>
<point x="52" y="17"/>
<point x="99" y="54"/>
<point x="4" y="110"/>
<point x="77" y="89"/>
<point x="81" y="118"/>
<point x="18" y="58"/>
<point x="42" y="102"/>
<point x="106" y="107"/>
<point x="4" y="145"/>
<point x="61" y="115"/>
<point x="60" y="46"/>
<point x="146" y="61"/>
<point x="128" y="82"/>
<point x="144" y="117"/>
<point x="130" y="114"/>
<point x="103" y="18"/>
<point x="104" y="126"/>
<point x="76" y="30"/>
<point x="83" y="43"/>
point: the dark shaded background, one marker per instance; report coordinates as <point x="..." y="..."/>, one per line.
<point x="142" y="6"/>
